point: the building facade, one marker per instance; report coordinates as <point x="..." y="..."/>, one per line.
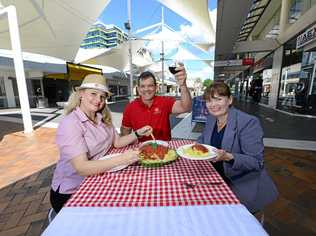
<point x="103" y="36"/>
<point x="280" y="37"/>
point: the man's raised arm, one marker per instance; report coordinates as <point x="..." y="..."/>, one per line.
<point x="185" y="103"/>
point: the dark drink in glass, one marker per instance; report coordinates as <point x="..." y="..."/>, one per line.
<point x="172" y="69"/>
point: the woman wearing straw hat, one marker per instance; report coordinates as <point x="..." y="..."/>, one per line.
<point x="84" y="135"/>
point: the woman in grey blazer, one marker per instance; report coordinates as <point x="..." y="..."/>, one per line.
<point x="238" y="137"/>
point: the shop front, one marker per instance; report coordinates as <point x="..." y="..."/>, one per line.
<point x="297" y="90"/>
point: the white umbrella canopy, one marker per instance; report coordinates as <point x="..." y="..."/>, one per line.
<point x="51" y="27"/>
<point x="194" y="11"/>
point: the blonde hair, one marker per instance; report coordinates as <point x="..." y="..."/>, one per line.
<point x="74" y="101"/>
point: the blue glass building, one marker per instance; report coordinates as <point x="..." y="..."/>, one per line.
<point x="103" y="36"/>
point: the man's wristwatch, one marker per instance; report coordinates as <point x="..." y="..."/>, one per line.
<point x="137" y="135"/>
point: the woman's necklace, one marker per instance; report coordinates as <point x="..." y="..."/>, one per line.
<point x="220" y="125"/>
<point x="92" y="120"/>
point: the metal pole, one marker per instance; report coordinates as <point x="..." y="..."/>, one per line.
<point x="285" y="82"/>
<point x="19" y="66"/>
<point x="130" y="49"/>
<point x="162" y="56"/>
<point x="162" y="68"/>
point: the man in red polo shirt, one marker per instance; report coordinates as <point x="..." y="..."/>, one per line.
<point x="153" y="110"/>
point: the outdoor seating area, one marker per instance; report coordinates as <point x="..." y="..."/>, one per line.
<point x="24" y="202"/>
<point x="157" y="117"/>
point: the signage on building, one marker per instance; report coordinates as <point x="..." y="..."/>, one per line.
<point x="228" y="63"/>
<point x="306" y="37"/>
<point x="247" y="61"/>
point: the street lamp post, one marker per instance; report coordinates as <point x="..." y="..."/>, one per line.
<point x="162" y="56"/>
<point x="128" y="26"/>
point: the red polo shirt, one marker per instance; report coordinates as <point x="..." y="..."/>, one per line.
<point x="137" y="115"/>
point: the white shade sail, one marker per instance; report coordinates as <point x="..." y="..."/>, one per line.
<point x="156" y="67"/>
<point x="194" y="11"/>
<point x="33" y="57"/>
<point x="115" y="57"/>
<point x="184" y="54"/>
<point x="54" y="28"/>
<point x="105" y="69"/>
<point x="165" y="34"/>
<point x="170" y="38"/>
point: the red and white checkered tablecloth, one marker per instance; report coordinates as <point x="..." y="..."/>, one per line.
<point x="138" y="186"/>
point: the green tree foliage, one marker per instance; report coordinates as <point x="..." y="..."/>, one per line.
<point x="207" y="83"/>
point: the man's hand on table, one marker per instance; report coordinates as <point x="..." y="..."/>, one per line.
<point x="144" y="131"/>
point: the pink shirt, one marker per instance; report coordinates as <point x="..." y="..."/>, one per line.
<point x="76" y="134"/>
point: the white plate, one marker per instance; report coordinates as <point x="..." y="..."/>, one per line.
<point x="161" y="142"/>
<point x="212" y="152"/>
<point x="116" y="168"/>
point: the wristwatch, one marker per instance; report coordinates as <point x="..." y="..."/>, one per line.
<point x="137" y="135"/>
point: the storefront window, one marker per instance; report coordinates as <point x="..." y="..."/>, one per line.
<point x="3" y="98"/>
<point x="288" y="86"/>
<point x="266" y="76"/>
<point x="15" y="91"/>
<point x="297" y="90"/>
<point x="295" y="11"/>
<point x="113" y="89"/>
<point x="313" y="84"/>
<point x="123" y="90"/>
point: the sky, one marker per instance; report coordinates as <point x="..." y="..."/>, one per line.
<point x="148" y="12"/>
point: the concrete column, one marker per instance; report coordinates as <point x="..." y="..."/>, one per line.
<point x="276" y="76"/>
<point x="284" y="16"/>
<point x="9" y="91"/>
<point x="306" y="4"/>
<point x="42" y="87"/>
<point x="236" y="85"/>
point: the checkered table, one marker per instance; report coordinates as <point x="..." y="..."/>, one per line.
<point x="169" y="185"/>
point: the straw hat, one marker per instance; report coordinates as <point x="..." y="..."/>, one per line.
<point x="94" y="81"/>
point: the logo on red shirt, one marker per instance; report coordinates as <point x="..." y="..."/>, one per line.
<point x="156" y="111"/>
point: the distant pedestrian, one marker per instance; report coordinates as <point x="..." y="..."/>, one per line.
<point x="256" y="87"/>
<point x="38" y="93"/>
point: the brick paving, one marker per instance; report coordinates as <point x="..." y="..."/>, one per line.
<point x="23" y="155"/>
<point x="24" y="197"/>
<point x="24" y="205"/>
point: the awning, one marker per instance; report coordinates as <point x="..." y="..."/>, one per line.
<point x="75" y="72"/>
<point x="194" y="11"/>
<point x="54" y="28"/>
<point x="115" y="57"/>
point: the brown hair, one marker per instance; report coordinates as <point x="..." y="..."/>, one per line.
<point x="145" y="75"/>
<point x="219" y="88"/>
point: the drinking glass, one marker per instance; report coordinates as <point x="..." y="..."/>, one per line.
<point x="173" y="66"/>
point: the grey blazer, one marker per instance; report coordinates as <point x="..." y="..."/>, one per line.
<point x="243" y="137"/>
